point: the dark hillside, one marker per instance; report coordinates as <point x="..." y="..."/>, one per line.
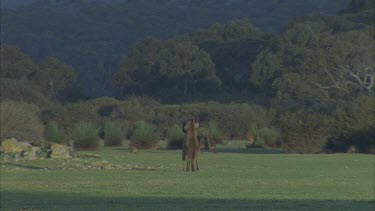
<point x="92" y="35"/>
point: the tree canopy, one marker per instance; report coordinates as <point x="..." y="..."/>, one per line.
<point x="171" y="69"/>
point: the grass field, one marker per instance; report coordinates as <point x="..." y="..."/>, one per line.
<point x="234" y="178"/>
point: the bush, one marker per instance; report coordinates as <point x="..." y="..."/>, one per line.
<point x="85" y="136"/>
<point x="175" y="137"/>
<point x="61" y="116"/>
<point x="20" y="121"/>
<point x="144" y="135"/>
<point x="214" y="130"/>
<point x="113" y="134"/>
<point x="354" y="126"/>
<point x="23" y="90"/>
<point x="254" y="133"/>
<point x="305" y="131"/>
<point x="269" y="137"/>
<point x="52" y="133"/>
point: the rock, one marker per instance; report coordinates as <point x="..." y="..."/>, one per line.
<point x="61" y="152"/>
<point x="12" y="146"/>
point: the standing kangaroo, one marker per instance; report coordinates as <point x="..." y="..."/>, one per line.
<point x="211" y="143"/>
<point x="202" y="141"/>
<point x="191" y="145"/>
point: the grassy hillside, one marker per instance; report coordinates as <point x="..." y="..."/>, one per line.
<point x="234" y="178"/>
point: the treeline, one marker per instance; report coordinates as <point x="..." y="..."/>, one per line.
<point x="92" y="35"/>
<point x="311" y="88"/>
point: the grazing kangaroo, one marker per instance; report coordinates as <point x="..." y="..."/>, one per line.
<point x="191" y="145"/>
<point x="202" y="141"/>
<point x="133" y="148"/>
<point x="211" y="143"/>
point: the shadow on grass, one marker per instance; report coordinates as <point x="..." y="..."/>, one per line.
<point x="218" y="150"/>
<point x="249" y="150"/>
<point x="68" y="201"/>
<point x="15" y="165"/>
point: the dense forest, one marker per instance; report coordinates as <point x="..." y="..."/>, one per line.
<point x="308" y="88"/>
<point x="93" y="35"/>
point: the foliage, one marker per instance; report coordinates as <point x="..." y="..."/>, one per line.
<point x="304" y="131"/>
<point x="317" y="59"/>
<point x="354" y="125"/>
<point x="93" y="35"/>
<point x="23" y="90"/>
<point x="85" y="136"/>
<point x="52" y="133"/>
<point x="213" y="129"/>
<point x="113" y="134"/>
<point x="175" y="137"/>
<point x="269" y="137"/>
<point x="165" y="70"/>
<point x="53" y="76"/>
<point x="233" y="48"/>
<point x="15" y="64"/>
<point x="144" y="135"/>
<point x="60" y="115"/>
<point x="21" y="121"/>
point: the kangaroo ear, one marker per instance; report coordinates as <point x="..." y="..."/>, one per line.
<point x="183" y="127"/>
<point x="196" y="124"/>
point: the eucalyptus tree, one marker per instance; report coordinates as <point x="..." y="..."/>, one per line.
<point x="15" y="64"/>
<point x="53" y="76"/>
<point x="169" y="70"/>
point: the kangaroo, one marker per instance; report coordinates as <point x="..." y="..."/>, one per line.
<point x="191" y="145"/>
<point x="133" y="148"/>
<point x="211" y="143"/>
<point x="202" y="141"/>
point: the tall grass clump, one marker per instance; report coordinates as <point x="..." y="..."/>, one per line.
<point x="85" y="136"/>
<point x="144" y="135"/>
<point x="255" y="134"/>
<point x="175" y="137"/>
<point x="52" y="133"/>
<point x="113" y="134"/>
<point x="269" y="137"/>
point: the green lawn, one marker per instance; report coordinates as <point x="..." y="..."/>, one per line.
<point x="234" y="178"/>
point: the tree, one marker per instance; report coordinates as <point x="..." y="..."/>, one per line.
<point x="314" y="63"/>
<point x="171" y="69"/>
<point x="233" y="48"/>
<point x="350" y="67"/>
<point x="141" y="61"/>
<point x="15" y="64"/>
<point x="186" y="63"/>
<point x="53" y="76"/>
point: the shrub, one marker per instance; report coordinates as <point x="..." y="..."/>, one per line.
<point x="214" y="130"/>
<point x="305" y="131"/>
<point x="61" y="116"/>
<point x="85" y="136"/>
<point x="20" y="121"/>
<point x="255" y="132"/>
<point x="175" y="137"/>
<point x="52" y="133"/>
<point x="269" y="137"/>
<point x="113" y="134"/>
<point x="144" y="135"/>
<point x="354" y="125"/>
<point x="23" y="90"/>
